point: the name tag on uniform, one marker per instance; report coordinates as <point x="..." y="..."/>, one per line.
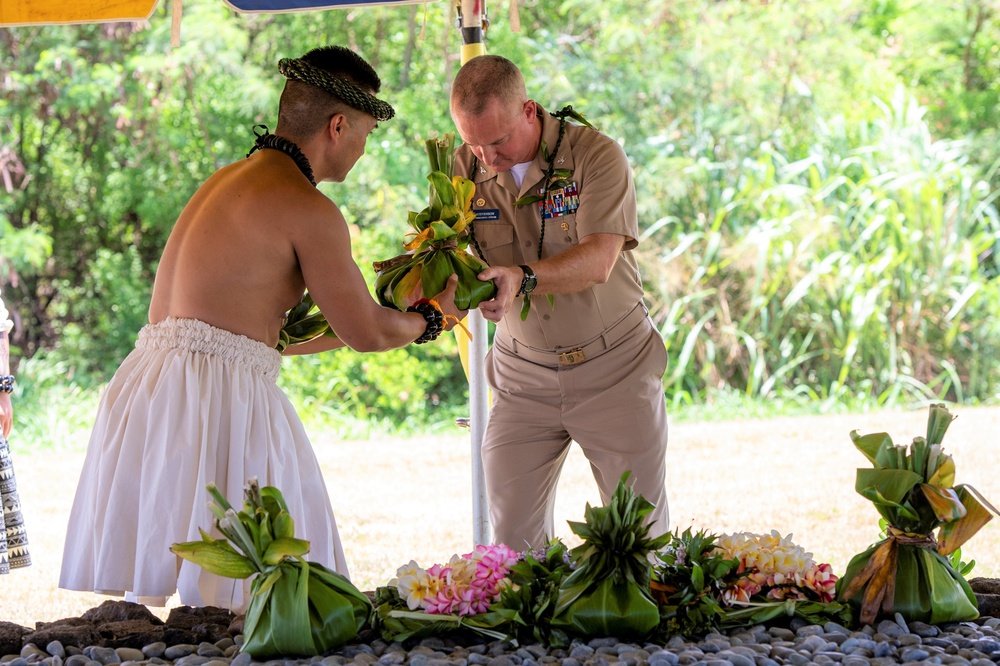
<point x="487" y="214"/>
<point x="563" y="201"/>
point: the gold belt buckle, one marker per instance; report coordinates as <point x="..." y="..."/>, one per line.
<point x="572" y="357"/>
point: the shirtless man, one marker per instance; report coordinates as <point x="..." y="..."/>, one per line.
<point x="197" y="400"/>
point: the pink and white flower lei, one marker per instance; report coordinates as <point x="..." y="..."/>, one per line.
<point x="774" y="565"/>
<point x="467" y="585"/>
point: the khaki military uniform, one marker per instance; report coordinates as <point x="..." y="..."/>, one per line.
<point x="587" y="368"/>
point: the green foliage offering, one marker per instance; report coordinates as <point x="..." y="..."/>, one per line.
<point x="297" y="608"/>
<point x="913" y="488"/>
<point x="695" y="579"/>
<point x="689" y="577"/>
<point x="439" y="248"/>
<point x="608" y="594"/>
<point x="534" y="592"/>
<point x="303" y="323"/>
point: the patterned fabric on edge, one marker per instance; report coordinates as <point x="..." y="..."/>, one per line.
<point x="13" y="537"/>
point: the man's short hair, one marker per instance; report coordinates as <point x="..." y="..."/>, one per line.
<point x="483" y="79"/>
<point x="307" y="103"/>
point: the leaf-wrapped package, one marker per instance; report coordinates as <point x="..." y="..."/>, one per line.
<point x="609" y="594"/>
<point x="913" y="490"/>
<point x="297" y="608"/>
<point x="438" y="247"/>
<point x="303" y="323"/>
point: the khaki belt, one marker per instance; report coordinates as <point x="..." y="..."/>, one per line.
<point x="586" y="351"/>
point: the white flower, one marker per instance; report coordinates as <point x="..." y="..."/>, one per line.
<point x="414" y="584"/>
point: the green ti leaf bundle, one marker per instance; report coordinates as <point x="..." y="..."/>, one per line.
<point x="533" y="593"/>
<point x="297" y="608"/>
<point x="913" y="489"/>
<point x="689" y="577"/>
<point x="303" y="323"/>
<point x="609" y="592"/>
<point x="439" y="245"/>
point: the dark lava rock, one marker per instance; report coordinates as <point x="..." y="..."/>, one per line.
<point x="126" y="624"/>
<point x="985" y="585"/>
<point x="120" y="611"/>
<point x="205" y="625"/>
<point x="69" y="631"/>
<point x="10" y="638"/>
<point x="987" y="595"/>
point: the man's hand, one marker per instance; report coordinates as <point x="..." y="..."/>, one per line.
<point x="446" y="301"/>
<point x="508" y="282"/>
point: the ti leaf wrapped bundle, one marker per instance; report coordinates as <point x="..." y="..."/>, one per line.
<point x="439" y="245"/>
<point x="297" y="608"/>
<point x="303" y="323"/>
<point x="913" y="489"/>
<point x="609" y="593"/>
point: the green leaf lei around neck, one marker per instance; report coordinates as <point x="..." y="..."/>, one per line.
<point x="554" y="179"/>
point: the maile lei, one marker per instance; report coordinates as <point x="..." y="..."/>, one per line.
<point x="554" y="179"/>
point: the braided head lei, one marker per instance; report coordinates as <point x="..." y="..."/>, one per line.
<point x="299" y="69"/>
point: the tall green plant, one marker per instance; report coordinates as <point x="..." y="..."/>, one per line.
<point x="844" y="274"/>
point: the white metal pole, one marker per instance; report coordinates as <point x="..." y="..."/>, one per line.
<point x="473" y="27"/>
<point x="479" y="413"/>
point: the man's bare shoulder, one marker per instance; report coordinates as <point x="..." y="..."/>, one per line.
<point x="234" y="259"/>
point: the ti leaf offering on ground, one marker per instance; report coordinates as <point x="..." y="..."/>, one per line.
<point x="913" y="489"/>
<point x="532" y="594"/>
<point x="608" y="593"/>
<point x="445" y="598"/>
<point x="705" y="582"/>
<point x="297" y="608"/>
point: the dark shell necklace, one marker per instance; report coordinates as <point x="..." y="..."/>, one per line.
<point x="275" y="142"/>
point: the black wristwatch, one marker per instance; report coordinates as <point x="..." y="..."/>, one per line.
<point x="528" y="283"/>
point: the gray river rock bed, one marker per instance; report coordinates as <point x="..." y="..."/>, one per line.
<point x="119" y="632"/>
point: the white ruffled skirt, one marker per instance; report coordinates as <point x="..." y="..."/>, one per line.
<point x="192" y="404"/>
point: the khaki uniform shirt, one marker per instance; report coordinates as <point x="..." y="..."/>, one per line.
<point x="599" y="199"/>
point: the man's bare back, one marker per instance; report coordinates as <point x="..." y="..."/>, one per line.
<point x="230" y="260"/>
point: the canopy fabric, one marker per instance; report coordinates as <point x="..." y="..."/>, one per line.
<point x="42" y="12"/>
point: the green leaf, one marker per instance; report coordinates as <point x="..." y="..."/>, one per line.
<point x="217" y="557"/>
<point x="892" y="485"/>
<point x="280" y="549"/>
<point x="406" y="286"/>
<point x="944" y="502"/>
<point x="528" y="199"/>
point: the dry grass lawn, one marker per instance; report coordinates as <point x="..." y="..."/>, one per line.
<point x="410" y="499"/>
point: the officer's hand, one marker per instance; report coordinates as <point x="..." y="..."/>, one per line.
<point x="508" y="282"/>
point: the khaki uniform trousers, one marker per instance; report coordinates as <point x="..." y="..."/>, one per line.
<point x="612" y="405"/>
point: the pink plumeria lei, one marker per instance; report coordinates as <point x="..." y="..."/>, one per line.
<point x="467" y="585"/>
<point x="772" y="565"/>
